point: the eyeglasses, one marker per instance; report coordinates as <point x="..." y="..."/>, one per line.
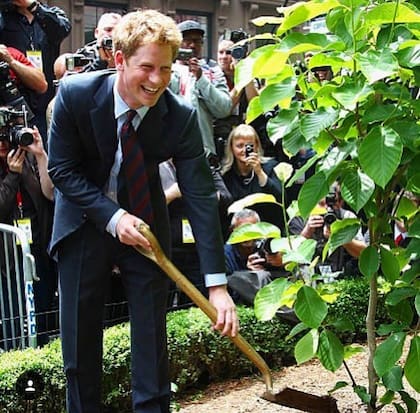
<point x="195" y="40"/>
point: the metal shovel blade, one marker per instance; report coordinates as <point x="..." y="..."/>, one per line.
<point x="286" y="397"/>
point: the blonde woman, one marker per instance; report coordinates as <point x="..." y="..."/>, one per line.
<point x="245" y="170"/>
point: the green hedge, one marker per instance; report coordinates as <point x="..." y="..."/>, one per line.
<point x="196" y="354"/>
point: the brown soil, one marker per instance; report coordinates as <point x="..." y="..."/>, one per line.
<point x="244" y="395"/>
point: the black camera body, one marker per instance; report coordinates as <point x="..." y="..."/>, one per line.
<point x="184" y="54"/>
<point x="330" y="216"/>
<point x="238" y="52"/>
<point x="262" y="247"/>
<point x="107" y="43"/>
<point x="13" y="127"/>
<point x="249" y="148"/>
<point x="77" y="60"/>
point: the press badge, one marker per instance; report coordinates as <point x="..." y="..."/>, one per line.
<point x="187" y="234"/>
<point x="35" y="57"/>
<point x="25" y="225"/>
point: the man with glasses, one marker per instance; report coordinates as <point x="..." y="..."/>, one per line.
<point x="200" y="82"/>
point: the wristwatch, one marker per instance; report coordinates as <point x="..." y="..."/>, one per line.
<point x="32" y="7"/>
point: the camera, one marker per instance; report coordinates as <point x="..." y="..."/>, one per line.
<point x="238" y="52"/>
<point x="13" y="127"/>
<point x="249" y="148"/>
<point x="107" y="43"/>
<point x="76" y="60"/>
<point x="262" y="247"/>
<point x="10" y="95"/>
<point x="184" y="54"/>
<point x="330" y="216"/>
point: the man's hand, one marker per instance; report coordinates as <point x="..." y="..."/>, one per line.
<point x="195" y="68"/>
<point x="255" y="262"/>
<point x="227" y="320"/>
<point x="15" y="159"/>
<point x="128" y="234"/>
<point x="5" y="55"/>
<point x="314" y="222"/>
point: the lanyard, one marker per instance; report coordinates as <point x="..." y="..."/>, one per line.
<point x="19" y="202"/>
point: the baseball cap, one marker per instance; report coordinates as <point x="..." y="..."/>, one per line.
<point x="190" y="25"/>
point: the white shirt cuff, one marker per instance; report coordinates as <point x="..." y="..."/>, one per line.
<point x="111" y="227"/>
<point x="213" y="280"/>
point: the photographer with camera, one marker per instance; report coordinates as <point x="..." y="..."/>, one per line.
<point x="26" y="194"/>
<point x="202" y="83"/>
<point x="227" y="58"/>
<point x="16" y="68"/>
<point x="250" y="264"/>
<point x="98" y="54"/>
<point x="244" y="169"/>
<point x="37" y="30"/>
<point x="318" y="227"/>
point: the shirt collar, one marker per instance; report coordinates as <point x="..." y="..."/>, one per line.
<point x="120" y="107"/>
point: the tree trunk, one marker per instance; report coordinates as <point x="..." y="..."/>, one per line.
<point x="371" y="340"/>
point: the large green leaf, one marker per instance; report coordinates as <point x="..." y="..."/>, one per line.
<point x="369" y="261"/>
<point x="389" y="265"/>
<point x="306" y="347"/>
<point x="399" y="294"/>
<point x="351" y="93"/>
<point x="380" y="154"/>
<point x="313" y="124"/>
<point x="249" y="232"/>
<point x="269" y="299"/>
<point x="277" y="94"/>
<point x="310" y="307"/>
<point x="254" y="109"/>
<point x="391" y="12"/>
<point x="330" y="351"/>
<point x="409" y="56"/>
<point x="342" y="232"/>
<point x="402" y="312"/>
<point x="388" y="353"/>
<point x="377" y="65"/>
<point x="312" y="191"/>
<point x="393" y="379"/>
<point x="417" y="303"/>
<point x="411" y="368"/>
<point x="356" y="189"/>
<point x="283" y="123"/>
<point x="303" y="254"/>
<point x="302" y="12"/>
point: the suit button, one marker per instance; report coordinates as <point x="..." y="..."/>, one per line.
<point x="84" y="216"/>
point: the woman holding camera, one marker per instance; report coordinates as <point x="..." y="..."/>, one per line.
<point x="245" y="170"/>
<point x="26" y="194"/>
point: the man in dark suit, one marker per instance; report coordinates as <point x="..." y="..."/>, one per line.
<point x="93" y="224"/>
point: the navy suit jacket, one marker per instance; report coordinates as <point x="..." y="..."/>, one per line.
<point x="82" y="144"/>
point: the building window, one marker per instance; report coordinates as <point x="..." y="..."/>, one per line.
<point x="93" y="10"/>
<point x="205" y="23"/>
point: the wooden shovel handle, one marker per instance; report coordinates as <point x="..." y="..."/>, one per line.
<point x="158" y="256"/>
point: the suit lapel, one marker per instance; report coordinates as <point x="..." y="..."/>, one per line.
<point x="104" y="122"/>
<point x="152" y="125"/>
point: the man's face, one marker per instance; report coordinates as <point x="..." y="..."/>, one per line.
<point x="143" y="77"/>
<point x="193" y="39"/>
<point x="105" y="28"/>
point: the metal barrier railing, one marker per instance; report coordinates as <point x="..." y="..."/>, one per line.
<point x="17" y="305"/>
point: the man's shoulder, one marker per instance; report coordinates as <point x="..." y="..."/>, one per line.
<point x="88" y="79"/>
<point x="175" y="101"/>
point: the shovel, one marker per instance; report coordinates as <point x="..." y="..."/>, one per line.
<point x="287" y="397"/>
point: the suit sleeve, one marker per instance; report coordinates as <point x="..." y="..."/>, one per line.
<point x="199" y="194"/>
<point x="72" y="153"/>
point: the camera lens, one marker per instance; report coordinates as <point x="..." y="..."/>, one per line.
<point x="329" y="218"/>
<point x="24" y="137"/>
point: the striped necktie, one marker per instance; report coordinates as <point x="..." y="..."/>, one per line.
<point x="135" y="171"/>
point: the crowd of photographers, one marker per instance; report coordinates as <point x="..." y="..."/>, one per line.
<point x="241" y="157"/>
